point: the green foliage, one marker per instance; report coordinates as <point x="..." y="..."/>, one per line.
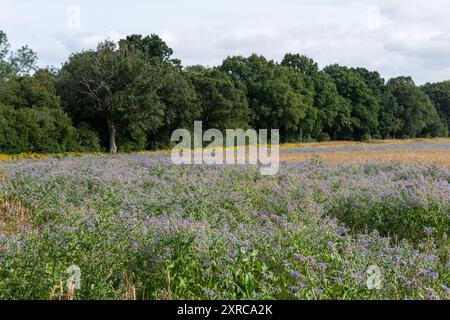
<point x="20" y="62"/>
<point x="277" y="95"/>
<point x="5" y="68"/>
<point x="439" y="94"/>
<point x="372" y="79"/>
<point x="36" y="130"/>
<point x="32" y="119"/>
<point x="328" y="113"/>
<point x="133" y="137"/>
<point x="391" y="219"/>
<point x="89" y="140"/>
<point x="390" y="118"/>
<point x="27" y="91"/>
<point x="132" y="95"/>
<point x="119" y="83"/>
<point x="222" y="102"/>
<point x="413" y="110"/>
<point x="366" y="137"/>
<point x="323" y="136"/>
<point x="364" y="105"/>
<point x="153" y="47"/>
<point x="301" y="64"/>
<point x="163" y="231"/>
<point x="179" y="96"/>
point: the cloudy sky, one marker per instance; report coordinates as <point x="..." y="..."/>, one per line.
<point x="396" y="37"/>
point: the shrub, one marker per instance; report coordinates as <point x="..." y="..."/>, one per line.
<point x="323" y="136"/>
<point x="36" y="130"/>
<point x="89" y="140"/>
<point x="366" y="137"/>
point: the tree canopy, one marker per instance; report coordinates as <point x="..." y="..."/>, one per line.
<point x="118" y="83"/>
<point x="131" y="95"/>
<point x="439" y="93"/>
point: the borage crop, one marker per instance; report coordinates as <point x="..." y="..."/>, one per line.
<point x="140" y="227"/>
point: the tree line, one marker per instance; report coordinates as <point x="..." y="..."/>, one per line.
<point x="133" y="94"/>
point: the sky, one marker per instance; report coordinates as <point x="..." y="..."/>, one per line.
<point x="394" y="37"/>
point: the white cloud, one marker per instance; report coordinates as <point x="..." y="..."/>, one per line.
<point x="84" y="40"/>
<point x="374" y="18"/>
<point x="401" y="37"/>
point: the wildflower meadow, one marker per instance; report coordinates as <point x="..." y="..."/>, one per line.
<point x="140" y="227"/>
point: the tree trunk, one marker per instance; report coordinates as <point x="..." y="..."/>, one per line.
<point x="301" y="135"/>
<point x="112" y="136"/>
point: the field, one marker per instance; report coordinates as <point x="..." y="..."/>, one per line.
<point x="139" y="227"/>
<point x="417" y="151"/>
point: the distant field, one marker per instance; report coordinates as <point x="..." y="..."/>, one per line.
<point x="426" y="156"/>
<point x="290" y="151"/>
<point x="367" y="143"/>
<point x="416" y="151"/>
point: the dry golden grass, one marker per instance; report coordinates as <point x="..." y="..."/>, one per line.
<point x="366" y="143"/>
<point x="13" y="216"/>
<point x="57" y="292"/>
<point x="129" y="290"/>
<point x="429" y="156"/>
<point x="282" y="146"/>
